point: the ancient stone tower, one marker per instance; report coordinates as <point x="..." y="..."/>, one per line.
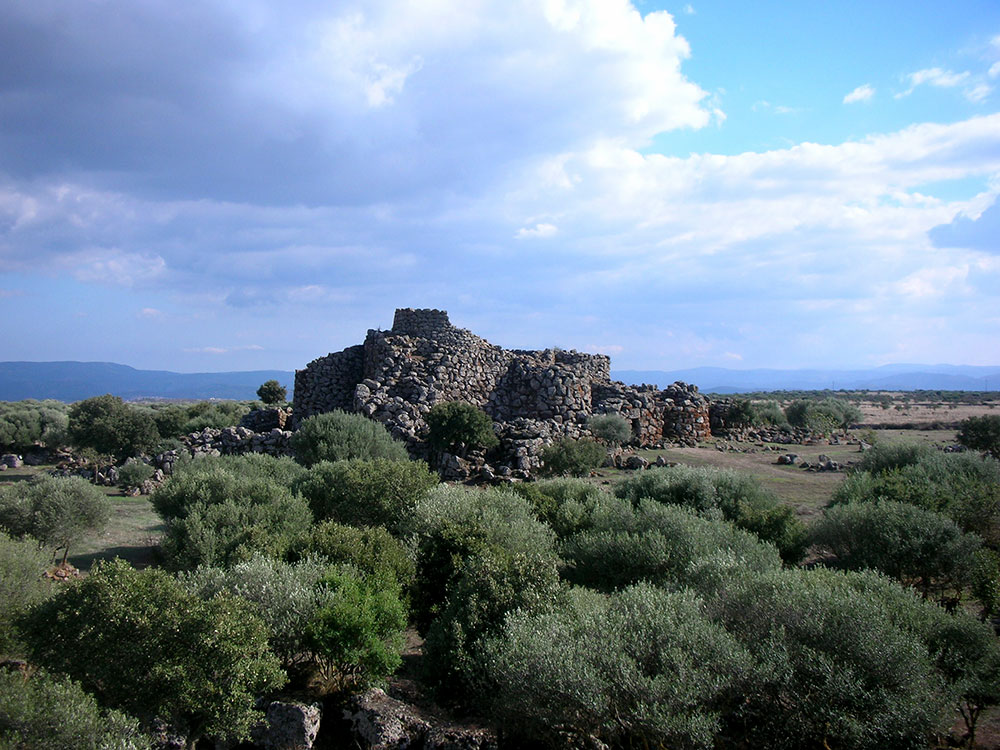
<point x="395" y="376"/>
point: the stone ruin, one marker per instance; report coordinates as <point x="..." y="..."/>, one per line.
<point x="533" y="397"/>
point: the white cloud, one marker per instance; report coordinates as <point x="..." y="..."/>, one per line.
<point x="689" y="9"/>
<point x="223" y="349"/>
<point x="150" y="312"/>
<point x="994" y="71"/>
<point x="539" y="230"/>
<point x="977" y="93"/>
<point x="114" y="266"/>
<point x="862" y="93"/>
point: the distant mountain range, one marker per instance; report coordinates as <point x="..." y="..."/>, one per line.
<point x="72" y="381"/>
<point x="887" y="378"/>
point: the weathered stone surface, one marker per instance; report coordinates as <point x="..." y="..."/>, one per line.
<point x="533" y="397"/>
<point x="11" y="461"/>
<point x="384" y="723"/>
<point x="288" y="726"/>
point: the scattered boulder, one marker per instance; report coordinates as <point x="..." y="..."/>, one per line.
<point x="636" y="463"/>
<point x="788" y="459"/>
<point x="11" y="461"/>
<point x="384" y="723"/>
<point x="288" y="726"/>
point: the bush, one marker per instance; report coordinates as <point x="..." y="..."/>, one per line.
<point x="453" y="523"/>
<point x="576" y="458"/>
<point x="916" y="547"/>
<point x="48" y="712"/>
<point x="372" y="550"/>
<point x="981" y="434"/>
<point x="109" y="426"/>
<point x="338" y="436"/>
<point x="566" y="505"/>
<point x="272" y="392"/>
<point x="662" y="544"/>
<point x="486" y="587"/>
<point x="739" y="498"/>
<point x="141" y="643"/>
<point x="56" y="511"/>
<point x="837" y="663"/>
<point x="26" y="423"/>
<point x="641" y="668"/>
<point x="288" y="595"/>
<point x="22" y="564"/>
<point x="376" y="492"/>
<point x="613" y="429"/>
<point x="358" y="635"/>
<point x="822" y="415"/>
<point x="456" y="426"/>
<point x="134" y="473"/>
<point x="178" y="420"/>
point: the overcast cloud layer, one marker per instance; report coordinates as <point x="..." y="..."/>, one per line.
<point x="226" y="185"/>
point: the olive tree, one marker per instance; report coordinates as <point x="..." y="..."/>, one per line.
<point x="108" y="425"/>
<point x="981" y="434"/>
<point x="141" y="643"/>
<point x="272" y="392"/>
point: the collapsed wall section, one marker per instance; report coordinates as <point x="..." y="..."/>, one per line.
<point x="328" y="383"/>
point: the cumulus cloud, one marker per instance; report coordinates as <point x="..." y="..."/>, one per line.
<point x="539" y="230"/>
<point x="862" y="93"/>
<point x="972" y="87"/>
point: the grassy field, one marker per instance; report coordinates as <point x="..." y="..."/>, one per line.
<point x="132" y="533"/>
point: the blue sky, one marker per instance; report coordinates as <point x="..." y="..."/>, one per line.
<point x="226" y="186"/>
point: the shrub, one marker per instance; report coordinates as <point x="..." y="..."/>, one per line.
<point x="453" y="523"/>
<point x="916" y="547"/>
<point x="109" y="426"/>
<point x="486" y="586"/>
<point x="739" y="498"/>
<point x="566" y="505"/>
<point x="56" y="511"/>
<point x="288" y="595"/>
<point x="376" y="492"/>
<point x="981" y="434"/>
<point x="822" y="415"/>
<point x="272" y="392"/>
<point x="884" y="457"/>
<point x="836" y="666"/>
<point x="576" y="458"/>
<point x="358" y="635"/>
<point x="372" y="550"/>
<point x="456" y="426"/>
<point x="613" y="429"/>
<point x="141" y="643"/>
<point x="641" y="668"/>
<point x="22" y="564"/>
<point x="49" y="712"/>
<point x="25" y="423"/>
<point x="665" y="545"/>
<point x="134" y="473"/>
<point x="337" y="436"/>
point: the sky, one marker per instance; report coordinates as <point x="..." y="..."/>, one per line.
<point x="221" y="185"/>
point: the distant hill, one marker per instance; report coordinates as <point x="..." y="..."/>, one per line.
<point x="887" y="377"/>
<point x="73" y="381"/>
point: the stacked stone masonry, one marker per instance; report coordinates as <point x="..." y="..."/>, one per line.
<point x="533" y="397"/>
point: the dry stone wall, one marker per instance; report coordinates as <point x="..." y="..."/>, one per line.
<point x="533" y="397"/>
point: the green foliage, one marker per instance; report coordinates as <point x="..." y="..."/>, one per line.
<point x="456" y="426"/>
<point x="375" y="492"/>
<point x="885" y="457"/>
<point x="566" y="505"/>
<point x="177" y="420"/>
<point x="143" y="644"/>
<point x="916" y="547"/>
<point x="613" y="429"/>
<point x="640" y="668"/>
<point x="287" y="595"/>
<point x="49" y="712"/>
<point x="111" y="427"/>
<point x="664" y="544"/>
<point x="371" y="550"/>
<point x="985" y="584"/>
<point x="981" y="434"/>
<point x="339" y="436"/>
<point x="452" y="523"/>
<point x="359" y="634"/>
<point x="25" y="423"/>
<point x="22" y="564"/>
<point x="134" y="473"/>
<point x="272" y="392"/>
<point x="220" y="512"/>
<point x="822" y="416"/>
<point x="739" y="498"/>
<point x="576" y="458"/>
<point x="485" y="587"/>
<point x="56" y="511"/>
<point x="838" y="664"/>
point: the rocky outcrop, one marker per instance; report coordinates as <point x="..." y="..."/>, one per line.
<point x="533" y="397"/>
